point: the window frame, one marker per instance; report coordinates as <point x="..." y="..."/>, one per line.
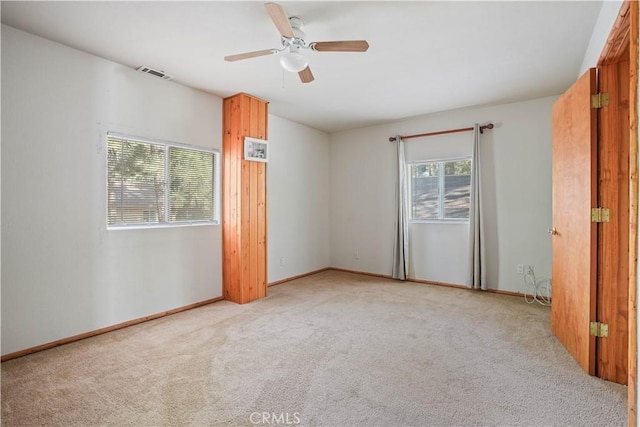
<point x="167" y="194"/>
<point x="441" y="179"/>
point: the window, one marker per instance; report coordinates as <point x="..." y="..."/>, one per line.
<point x="156" y="183"/>
<point x="440" y="190"/>
<point x="149" y="216"/>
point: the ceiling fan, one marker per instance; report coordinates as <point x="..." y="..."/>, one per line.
<point x="292" y="38"/>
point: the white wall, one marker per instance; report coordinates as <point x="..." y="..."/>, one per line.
<point x="63" y="273"/>
<point x="602" y="28"/>
<point x="516" y="161"/>
<point x="297" y="199"/>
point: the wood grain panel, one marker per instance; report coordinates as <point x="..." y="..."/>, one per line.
<point x="253" y="231"/>
<point x="632" y="376"/>
<point x="618" y="39"/>
<point x="245" y="205"/>
<point x="613" y="236"/>
<point x="574" y="193"/>
<point x="230" y="199"/>
<point x="244" y="201"/>
<point x="253" y="203"/>
<point x="262" y="208"/>
<point x="246" y="244"/>
<point x="262" y="231"/>
<point x="236" y="198"/>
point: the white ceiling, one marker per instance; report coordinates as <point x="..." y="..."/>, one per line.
<point x="423" y="57"/>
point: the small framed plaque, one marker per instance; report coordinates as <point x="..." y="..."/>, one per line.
<point x="255" y="149"/>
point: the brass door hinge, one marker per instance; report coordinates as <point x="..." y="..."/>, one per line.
<point x="600" y="100"/>
<point x="600" y="215"/>
<point x="598" y="329"/>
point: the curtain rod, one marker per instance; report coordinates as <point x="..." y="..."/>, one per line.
<point x="442" y="132"/>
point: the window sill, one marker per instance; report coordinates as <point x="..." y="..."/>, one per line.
<point x="172" y="225"/>
<point x="438" y="221"/>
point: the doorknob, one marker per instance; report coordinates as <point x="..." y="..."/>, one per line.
<point x="552" y="231"/>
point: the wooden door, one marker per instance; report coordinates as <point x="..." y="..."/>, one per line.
<point x="574" y="169"/>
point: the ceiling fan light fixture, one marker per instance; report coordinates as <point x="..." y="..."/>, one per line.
<point x="292" y="39"/>
<point x="294" y="62"/>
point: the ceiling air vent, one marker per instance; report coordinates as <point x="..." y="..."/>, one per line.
<point x="161" y="74"/>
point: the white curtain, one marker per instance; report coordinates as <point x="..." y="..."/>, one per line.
<point x="401" y="240"/>
<point x="477" y="270"/>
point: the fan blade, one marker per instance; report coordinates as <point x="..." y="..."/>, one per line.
<point x="306" y="76"/>
<point x="248" y="55"/>
<point x="280" y="19"/>
<point x="341" y="46"/>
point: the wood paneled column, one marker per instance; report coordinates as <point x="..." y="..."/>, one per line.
<point x="244" y="201"/>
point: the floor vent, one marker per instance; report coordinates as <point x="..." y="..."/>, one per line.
<point x="161" y="74"/>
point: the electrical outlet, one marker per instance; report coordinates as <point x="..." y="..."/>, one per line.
<point x="355" y="255"/>
<point x="530" y="269"/>
<point x="281" y="261"/>
<point x="520" y="268"/>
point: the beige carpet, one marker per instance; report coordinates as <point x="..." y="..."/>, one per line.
<point x="333" y="349"/>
